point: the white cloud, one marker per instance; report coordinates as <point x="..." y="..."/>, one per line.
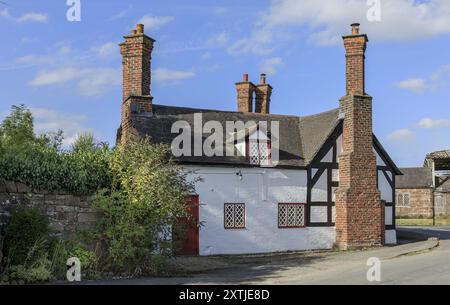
<point x="218" y="40"/>
<point x="429" y="123"/>
<point x="35" y="59"/>
<point x="33" y="17"/>
<point x="164" y="75"/>
<point x="413" y="84"/>
<point x="404" y="134"/>
<point x="270" y="65"/>
<point x="27" y="17"/>
<point x="106" y="50"/>
<point x="88" y="81"/>
<point x="259" y="43"/>
<point x="325" y="23"/>
<point x="119" y="15"/>
<point x="155" y="22"/>
<point x="49" y="120"/>
<point x="438" y="79"/>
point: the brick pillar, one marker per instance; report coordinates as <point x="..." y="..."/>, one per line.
<point x="263" y="94"/>
<point x="136" y="54"/>
<point x="245" y="90"/>
<point x="359" y="211"/>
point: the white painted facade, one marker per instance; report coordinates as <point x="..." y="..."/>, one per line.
<point x="261" y="190"/>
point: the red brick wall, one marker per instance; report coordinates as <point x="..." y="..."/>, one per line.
<point x="262" y="98"/>
<point x="359" y="211"/>
<point x="245" y="91"/>
<point x="136" y="60"/>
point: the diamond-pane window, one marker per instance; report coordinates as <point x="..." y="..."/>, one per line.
<point x="259" y="152"/>
<point x="291" y="215"/>
<point x="234" y="215"/>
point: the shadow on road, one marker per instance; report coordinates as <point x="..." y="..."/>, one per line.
<point x="413" y="234"/>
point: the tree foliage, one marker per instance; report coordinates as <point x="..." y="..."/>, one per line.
<point x="41" y="163"/>
<point x="148" y="196"/>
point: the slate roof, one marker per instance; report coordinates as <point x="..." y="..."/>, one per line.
<point x="443" y="154"/>
<point x="300" y="137"/>
<point x="415" y="177"/>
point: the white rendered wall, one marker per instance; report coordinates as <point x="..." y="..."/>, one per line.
<point x="391" y="237"/>
<point x="261" y="190"/>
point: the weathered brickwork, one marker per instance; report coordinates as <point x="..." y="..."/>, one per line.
<point x="67" y="214"/>
<point x="136" y="54"/>
<point x="359" y="210"/>
<point x="263" y="93"/>
<point x="245" y="91"/>
<point x="420" y="203"/>
<point x="355" y="46"/>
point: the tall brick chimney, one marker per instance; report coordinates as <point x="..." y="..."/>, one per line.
<point x="355" y="46"/>
<point x="262" y="98"/>
<point x="359" y="210"/>
<point x="245" y="91"/>
<point x="136" y="53"/>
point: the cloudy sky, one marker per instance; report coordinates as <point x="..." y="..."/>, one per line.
<point x="69" y="73"/>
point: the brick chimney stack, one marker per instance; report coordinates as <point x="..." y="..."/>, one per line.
<point x="263" y="94"/>
<point x="136" y="53"/>
<point x="355" y="47"/>
<point x="245" y="91"/>
<point x="359" y="210"/>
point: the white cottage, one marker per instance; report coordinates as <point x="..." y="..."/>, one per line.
<point x="247" y="202"/>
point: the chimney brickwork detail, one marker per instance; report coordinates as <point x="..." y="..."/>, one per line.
<point x="359" y="210"/>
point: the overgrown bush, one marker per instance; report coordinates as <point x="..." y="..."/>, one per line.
<point x="41" y="163"/>
<point x="31" y="255"/>
<point x="147" y="197"/>
<point x="26" y="229"/>
<point x="140" y="193"/>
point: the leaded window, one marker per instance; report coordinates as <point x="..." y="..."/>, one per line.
<point x="234" y="215"/>
<point x="291" y="215"/>
<point x="259" y="152"/>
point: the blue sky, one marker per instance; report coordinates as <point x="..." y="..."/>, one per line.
<point x="69" y="73"/>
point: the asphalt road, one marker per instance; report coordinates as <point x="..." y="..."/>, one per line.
<point x="426" y="262"/>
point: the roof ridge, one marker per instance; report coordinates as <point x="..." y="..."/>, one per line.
<point x="250" y="113"/>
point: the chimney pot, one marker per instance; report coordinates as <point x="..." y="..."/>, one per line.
<point x="355" y="28"/>
<point x="140" y="28"/>
<point x="245" y="78"/>
<point x="262" y="79"/>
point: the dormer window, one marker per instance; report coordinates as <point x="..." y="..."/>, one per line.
<point x="258" y="152"/>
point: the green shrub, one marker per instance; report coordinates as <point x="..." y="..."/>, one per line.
<point x="27" y="228"/>
<point x="148" y="195"/>
<point x="39" y="271"/>
<point x="40" y="163"/>
<point x="87" y="258"/>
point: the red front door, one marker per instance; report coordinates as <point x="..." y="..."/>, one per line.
<point x="190" y="239"/>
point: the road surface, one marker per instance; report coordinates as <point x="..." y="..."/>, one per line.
<point x="426" y="262"/>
